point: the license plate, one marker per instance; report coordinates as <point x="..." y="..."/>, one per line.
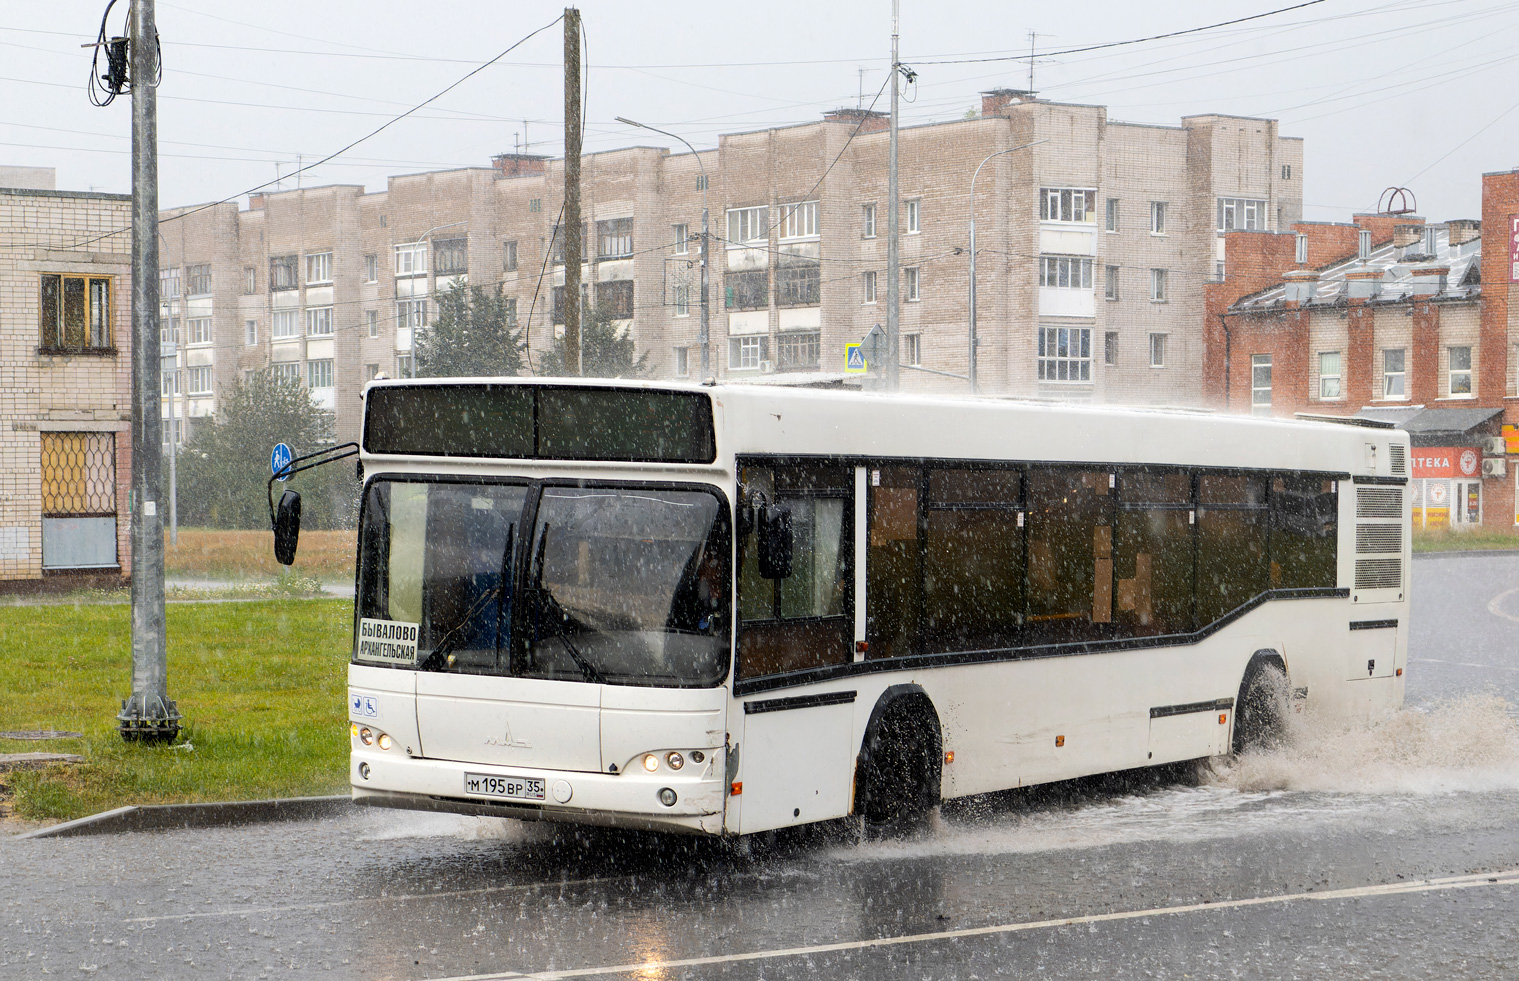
<point x="517" y="788"/>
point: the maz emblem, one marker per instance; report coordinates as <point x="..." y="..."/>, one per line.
<point x="506" y="741"/>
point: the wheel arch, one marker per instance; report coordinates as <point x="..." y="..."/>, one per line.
<point x="911" y="700"/>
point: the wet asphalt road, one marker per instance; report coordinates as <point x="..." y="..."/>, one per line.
<point x="1381" y="854"/>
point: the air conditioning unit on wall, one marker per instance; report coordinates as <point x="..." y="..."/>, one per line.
<point x="1495" y="467"/>
<point x="767" y="367"/>
<point x="1495" y="446"/>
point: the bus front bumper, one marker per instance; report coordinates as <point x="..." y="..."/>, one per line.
<point x="619" y="800"/>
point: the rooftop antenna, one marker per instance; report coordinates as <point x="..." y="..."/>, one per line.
<point x="859" y="102"/>
<point x="524" y="136"/>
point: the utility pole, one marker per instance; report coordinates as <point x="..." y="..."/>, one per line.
<point x="894" y="207"/>
<point x="149" y="714"/>
<point x="571" y="227"/>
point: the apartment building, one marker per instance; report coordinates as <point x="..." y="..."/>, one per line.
<point x="1387" y="318"/>
<point x="65" y="381"/>
<point x="1094" y="244"/>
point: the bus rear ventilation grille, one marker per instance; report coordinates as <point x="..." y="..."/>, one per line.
<point x="1378" y="538"/>
<point x="1379" y="502"/>
<point x="1379" y="573"/>
<point x="1397" y="457"/>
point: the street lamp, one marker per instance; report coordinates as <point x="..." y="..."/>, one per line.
<point x="706" y="364"/>
<point x="971" y="372"/>
<point x="423" y="238"/>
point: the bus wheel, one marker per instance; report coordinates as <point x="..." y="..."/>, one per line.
<point x="1260" y="713"/>
<point x="899" y="771"/>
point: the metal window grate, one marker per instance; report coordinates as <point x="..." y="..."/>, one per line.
<point x="1398" y="457"/>
<point x="78" y="474"/>
<point x="1378" y="573"/>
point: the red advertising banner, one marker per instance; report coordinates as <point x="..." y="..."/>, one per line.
<point x="1446" y="461"/>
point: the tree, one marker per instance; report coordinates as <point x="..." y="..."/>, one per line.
<point x="473" y="335"/>
<point x="224" y="465"/>
<point x="605" y="350"/>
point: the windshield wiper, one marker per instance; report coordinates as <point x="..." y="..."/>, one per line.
<point x="556" y="617"/>
<point x="449" y="642"/>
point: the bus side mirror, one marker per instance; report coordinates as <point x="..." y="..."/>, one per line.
<point x="775" y="541"/>
<point x="287" y="527"/>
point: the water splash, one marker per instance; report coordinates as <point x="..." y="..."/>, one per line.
<point x="1470" y="743"/>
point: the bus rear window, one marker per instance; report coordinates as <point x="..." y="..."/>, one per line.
<point x="538" y="422"/>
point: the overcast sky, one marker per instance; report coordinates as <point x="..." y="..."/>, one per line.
<point x="1419" y="93"/>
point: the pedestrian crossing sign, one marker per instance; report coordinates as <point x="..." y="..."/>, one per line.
<point x="854" y="359"/>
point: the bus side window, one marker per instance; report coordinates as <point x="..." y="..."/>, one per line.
<point x="894" y="577"/>
<point x="804" y="620"/>
<point x="1232" y="525"/>
<point x="1070" y="555"/>
<point x="1153" y="561"/>
<point x="1304" y="532"/>
<point x="973" y="560"/>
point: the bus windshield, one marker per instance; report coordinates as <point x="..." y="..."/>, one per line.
<point x="610" y="585"/>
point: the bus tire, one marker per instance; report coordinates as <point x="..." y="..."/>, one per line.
<point x="1261" y="711"/>
<point x="900" y="766"/>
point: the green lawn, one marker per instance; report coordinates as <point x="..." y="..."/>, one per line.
<point x="261" y="686"/>
<point x="1445" y="540"/>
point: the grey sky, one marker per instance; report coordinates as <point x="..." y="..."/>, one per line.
<point x="1380" y="91"/>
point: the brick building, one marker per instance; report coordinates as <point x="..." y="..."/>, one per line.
<point x="1386" y="318"/>
<point x="65" y="380"/>
<point x="1094" y="246"/>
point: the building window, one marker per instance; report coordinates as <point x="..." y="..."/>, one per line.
<point x="319" y="322"/>
<point x="169" y="381"/>
<point x="372" y="321"/>
<point x="1065" y="354"/>
<point x="748" y="289"/>
<point x="701" y="182"/>
<point x="556" y="307"/>
<point x="799" y="220"/>
<point x="799" y="350"/>
<point x="250" y="280"/>
<point x="371" y="269"/>
<point x="1065" y="272"/>
<point x="200" y="279"/>
<point x="1157" y="350"/>
<point x="509" y="256"/>
<point x="282" y="273"/>
<point x="1110" y="282"/>
<point x="168" y="330"/>
<point x="1241" y="215"/>
<point x="1329" y="374"/>
<point x="286" y="324"/>
<point x="746" y="353"/>
<point x="1393" y="374"/>
<point x="1218" y="270"/>
<point x="371" y="372"/>
<point x="411" y="313"/>
<point x="250" y="332"/>
<point x="1260" y="384"/>
<point x="286" y="371"/>
<point x="319" y="373"/>
<point x="682" y="240"/>
<point x="799" y="283"/>
<point x="682" y="301"/>
<point x="1067" y="204"/>
<point x="1460" y="370"/>
<point x="910" y="282"/>
<point x="869" y="279"/>
<point x="1112" y="215"/>
<point x="200" y="330"/>
<point x="168" y="283"/>
<point x="682" y="362"/>
<point x="616" y="298"/>
<point x="912" y="349"/>
<point x="318" y="268"/>
<point x="868" y="220"/>
<point x="1286" y="172"/>
<point x="914" y="216"/>
<point x="75" y="313"/>
<point x="1157" y="286"/>
<point x="1110" y="347"/>
<point x="511" y="312"/>
<point x="746" y="227"/>
<point x="451" y="256"/>
<point x="198" y="380"/>
<point x="411" y="259"/>
<point x="556" y="248"/>
<point x="535" y="205"/>
<point x="403" y="366"/>
<point x="1157" y="217"/>
<point x="614" y="238"/>
<point x="1301" y="256"/>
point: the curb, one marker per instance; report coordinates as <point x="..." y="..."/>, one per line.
<point x="1467" y="553"/>
<point x="223" y="814"/>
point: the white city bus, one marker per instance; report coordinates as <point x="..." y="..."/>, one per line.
<point x="729" y="609"/>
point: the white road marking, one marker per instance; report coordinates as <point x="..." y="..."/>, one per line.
<point x="1463" y="664"/>
<point x="1508" y="878"/>
<point x="1497" y="601"/>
